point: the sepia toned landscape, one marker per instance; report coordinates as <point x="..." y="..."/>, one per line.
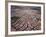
<point x="25" y="18"/>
